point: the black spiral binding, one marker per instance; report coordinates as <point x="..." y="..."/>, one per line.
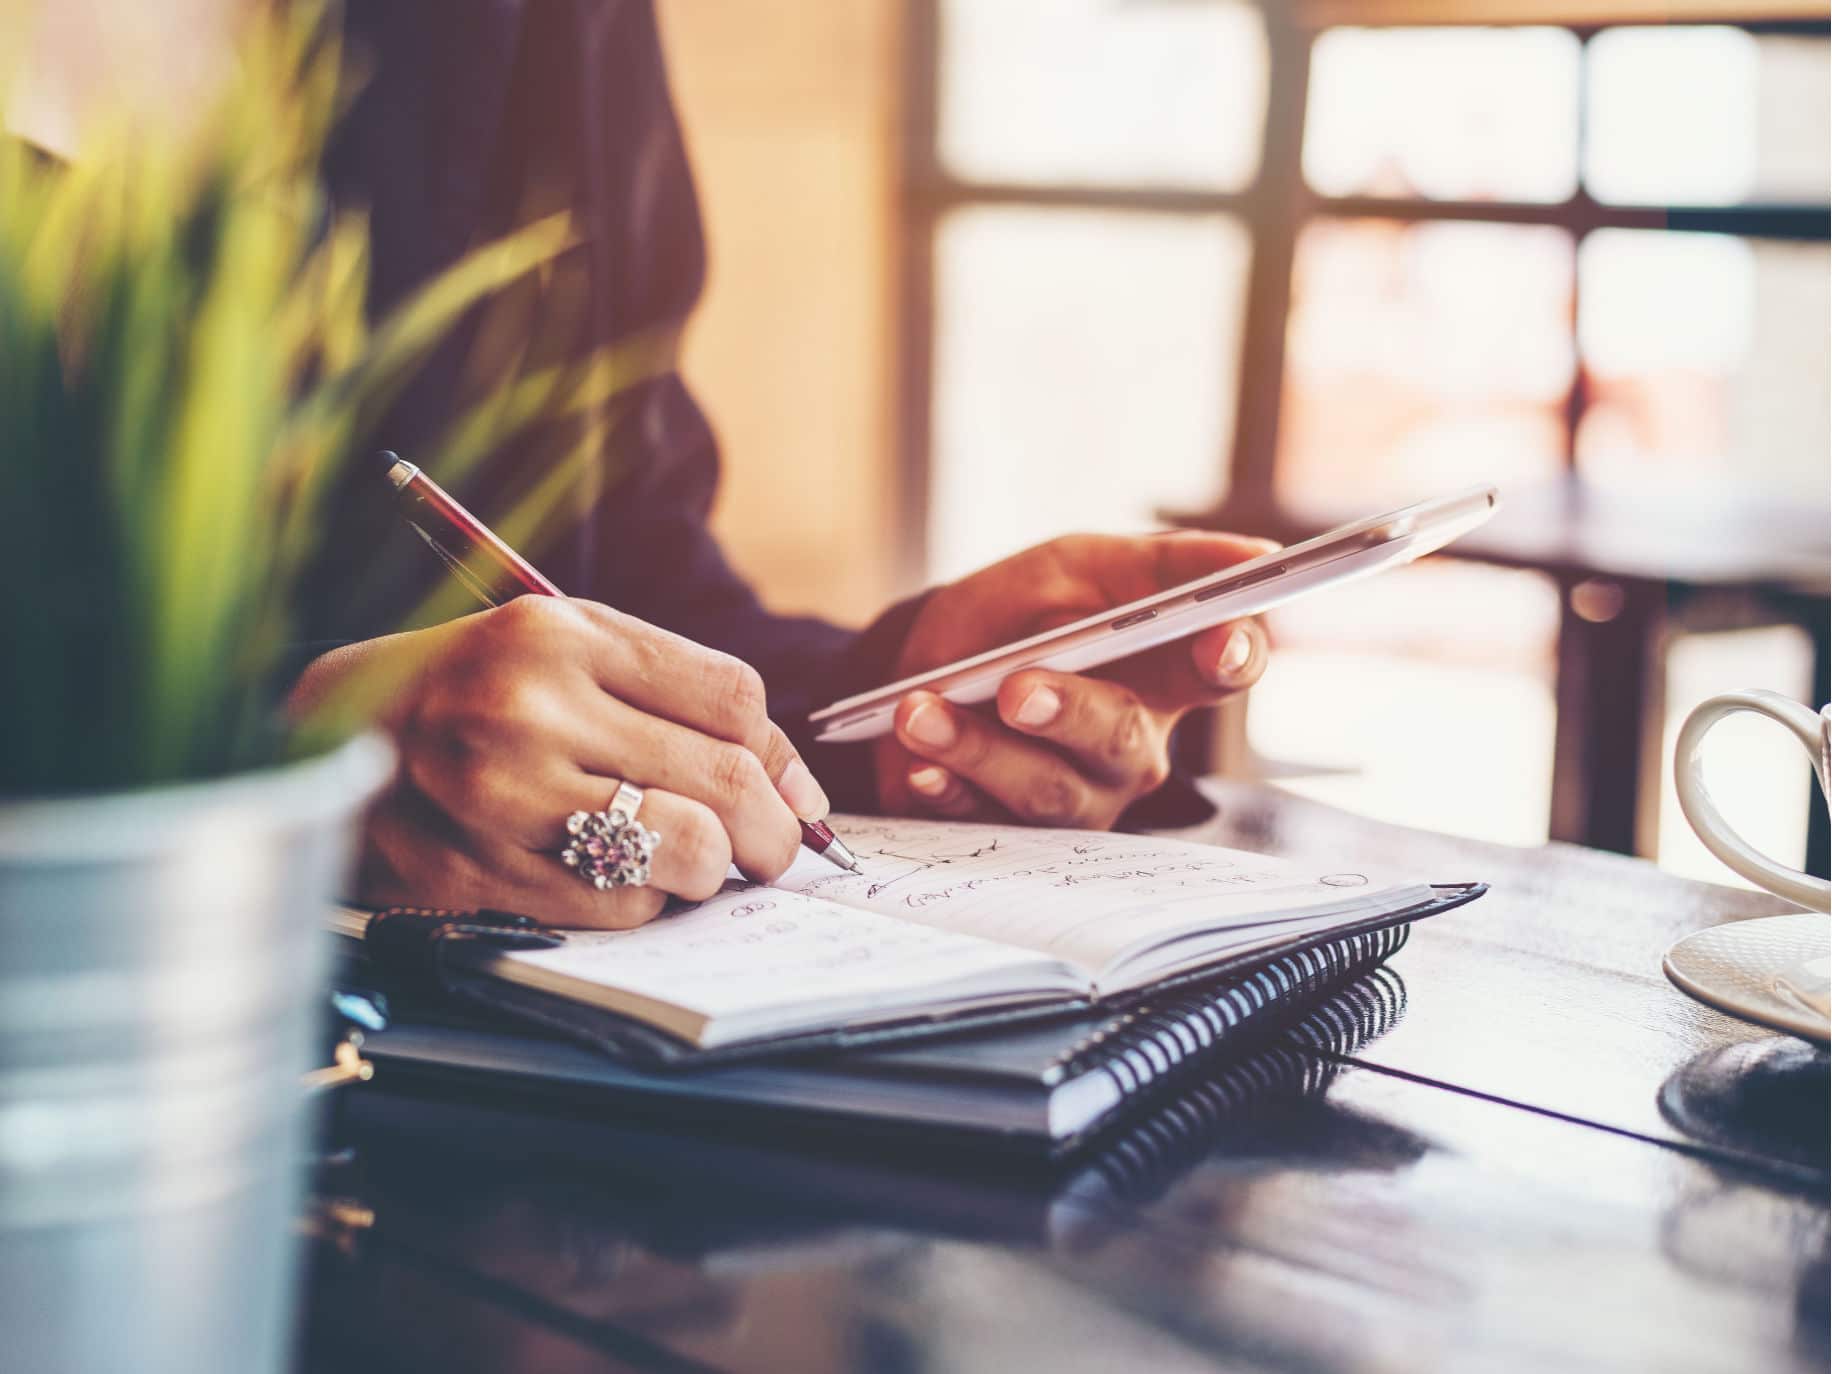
<point x="1153" y="1041"/>
<point x="1141" y="1160"/>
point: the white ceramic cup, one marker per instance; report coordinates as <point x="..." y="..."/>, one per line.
<point x="1813" y="729"/>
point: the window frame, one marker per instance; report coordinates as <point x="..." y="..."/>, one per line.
<point x="1273" y="208"/>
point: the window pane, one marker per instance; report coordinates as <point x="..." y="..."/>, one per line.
<point x="1706" y="116"/>
<point x="1084" y="374"/>
<point x="1423" y="357"/>
<point x="1439" y="654"/>
<point x="1451" y="114"/>
<point x="1091" y="92"/>
<point x="1708" y="360"/>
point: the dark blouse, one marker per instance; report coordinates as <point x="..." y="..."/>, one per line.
<point x="475" y="115"/>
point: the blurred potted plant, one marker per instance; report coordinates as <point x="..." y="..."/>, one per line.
<point x="184" y="364"/>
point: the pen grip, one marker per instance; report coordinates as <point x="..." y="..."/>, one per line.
<point x="485" y="565"/>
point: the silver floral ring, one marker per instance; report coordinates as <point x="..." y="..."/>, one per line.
<point x="611" y="848"/>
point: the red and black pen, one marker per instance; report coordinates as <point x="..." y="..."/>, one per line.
<point x="465" y="545"/>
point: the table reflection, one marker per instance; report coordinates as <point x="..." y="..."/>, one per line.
<point x="572" y="1239"/>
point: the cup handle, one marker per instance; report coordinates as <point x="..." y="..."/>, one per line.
<point x="1709" y="822"/>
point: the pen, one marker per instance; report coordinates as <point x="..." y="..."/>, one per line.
<point x="464" y="543"/>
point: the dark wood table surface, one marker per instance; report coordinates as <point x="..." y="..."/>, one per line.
<point x="1543" y="1157"/>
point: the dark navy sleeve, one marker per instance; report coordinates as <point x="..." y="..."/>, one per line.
<point x="473" y="117"/>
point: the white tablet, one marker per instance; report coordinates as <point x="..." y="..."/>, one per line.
<point x="1242" y="590"/>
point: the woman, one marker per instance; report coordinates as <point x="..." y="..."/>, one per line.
<point x="472" y="116"/>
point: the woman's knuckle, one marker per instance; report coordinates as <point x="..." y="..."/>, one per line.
<point x="737" y="694"/>
<point x="972" y="745"/>
<point x="628" y="642"/>
<point x="530" y="616"/>
<point x="703" y="853"/>
<point x="777" y="753"/>
<point x="594" y="612"/>
<point x="520" y="610"/>
<point x="735" y="774"/>
<point x="1156" y="771"/>
<point x="1052" y="799"/>
<point x="421" y="749"/>
<point x="475" y="782"/>
<point x="630" y="907"/>
<point x="1127" y="738"/>
<point x="438" y="757"/>
<point x="700" y="882"/>
<point x="779" y="853"/>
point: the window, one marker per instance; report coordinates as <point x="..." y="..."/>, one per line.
<point x="1413" y="346"/>
<point x="1706" y="116"/>
<point x="1038" y="389"/>
<point x="1186" y="255"/>
<point x="1443" y="114"/>
<point x="1707" y="357"/>
<point x="1094" y="93"/>
<point x="1083" y="353"/>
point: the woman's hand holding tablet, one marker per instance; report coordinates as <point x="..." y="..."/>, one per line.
<point x="1245" y="589"/>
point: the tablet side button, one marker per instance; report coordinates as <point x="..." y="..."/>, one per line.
<point x="1126" y="622"/>
<point x="1241" y="584"/>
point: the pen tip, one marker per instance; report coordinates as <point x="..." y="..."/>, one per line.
<point x="837" y="854"/>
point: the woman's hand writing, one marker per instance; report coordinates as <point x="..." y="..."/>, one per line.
<point x="509" y="720"/>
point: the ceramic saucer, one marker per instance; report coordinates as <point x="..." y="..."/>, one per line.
<point x="1732" y="967"/>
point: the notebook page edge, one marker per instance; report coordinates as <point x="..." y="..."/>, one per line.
<point x="934" y="970"/>
<point x="1135" y="972"/>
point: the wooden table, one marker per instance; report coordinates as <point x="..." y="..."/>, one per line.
<point x="1547" y="1159"/>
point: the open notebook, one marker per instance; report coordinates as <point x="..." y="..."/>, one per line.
<point x="947" y="921"/>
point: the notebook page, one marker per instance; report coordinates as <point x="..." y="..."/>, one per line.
<point x="1089" y="897"/>
<point x="750" y="951"/>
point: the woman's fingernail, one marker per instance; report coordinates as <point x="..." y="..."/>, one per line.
<point x="802" y="792"/>
<point x="1038" y="708"/>
<point x="931" y="781"/>
<point x="1234" y="655"/>
<point x="929" y="724"/>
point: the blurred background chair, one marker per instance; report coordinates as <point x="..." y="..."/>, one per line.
<point x="1013" y="267"/>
